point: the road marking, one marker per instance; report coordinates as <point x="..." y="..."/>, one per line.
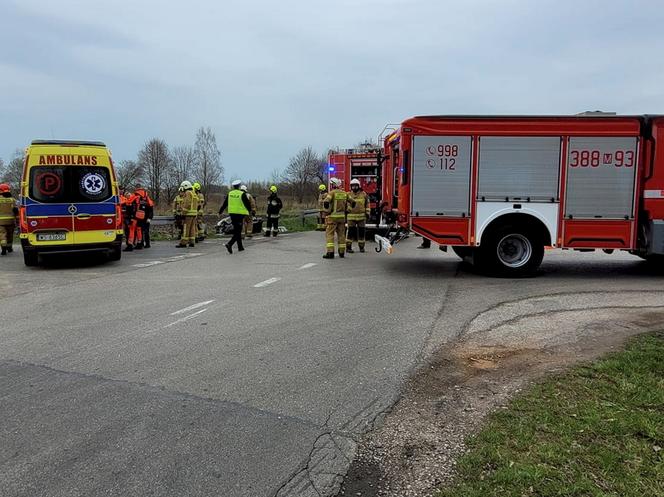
<point x="266" y="282"/>
<point x="148" y="264"/>
<point x="186" y="318"/>
<point x="307" y="266"/>
<point x="192" y="307"/>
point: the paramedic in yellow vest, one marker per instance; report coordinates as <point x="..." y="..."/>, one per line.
<point x="238" y="206"/>
<point x="199" y="217"/>
<point x="177" y="211"/>
<point x="8" y="213"/>
<point x="190" y="211"/>
<point x="335" y="205"/>
<point x="322" y="193"/>
<point x="249" y="220"/>
<point x="358" y="212"/>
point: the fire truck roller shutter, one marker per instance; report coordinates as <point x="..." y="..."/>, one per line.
<point x="600" y="177"/>
<point x="441" y="176"/>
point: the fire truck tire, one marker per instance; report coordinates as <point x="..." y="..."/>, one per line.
<point x="510" y="251"/>
<point x="462" y="252"/>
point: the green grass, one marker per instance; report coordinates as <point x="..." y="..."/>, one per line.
<point x="294" y="222"/>
<point x="595" y="431"/>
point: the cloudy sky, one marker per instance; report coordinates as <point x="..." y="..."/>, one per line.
<point x="271" y="77"/>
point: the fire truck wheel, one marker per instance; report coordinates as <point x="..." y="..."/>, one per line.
<point x="463" y="252"/>
<point x="510" y="251"/>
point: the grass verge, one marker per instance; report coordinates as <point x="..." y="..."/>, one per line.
<point x="597" y="430"/>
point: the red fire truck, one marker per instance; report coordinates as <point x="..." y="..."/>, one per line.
<point x="498" y="190"/>
<point x="366" y="165"/>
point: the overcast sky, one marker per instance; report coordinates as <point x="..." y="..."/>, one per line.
<point x="271" y="77"/>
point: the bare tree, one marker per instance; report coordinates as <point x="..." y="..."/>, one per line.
<point x="184" y="163"/>
<point x="208" y="159"/>
<point x="303" y="171"/>
<point x="154" y="159"/>
<point x="14" y="170"/>
<point x="129" y="172"/>
<point x="2" y="168"/>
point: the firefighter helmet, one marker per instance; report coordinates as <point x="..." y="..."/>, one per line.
<point x="335" y="182"/>
<point x="186" y="185"/>
<point x="273" y="189"/>
<point x="243" y="188"/>
<point x="4" y="188"/>
<point x="197" y="186"/>
<point x="355" y="181"/>
<point x="322" y="187"/>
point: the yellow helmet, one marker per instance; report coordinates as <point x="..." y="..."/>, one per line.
<point x="197" y="186"/>
<point x="322" y="188"/>
<point x="273" y="189"/>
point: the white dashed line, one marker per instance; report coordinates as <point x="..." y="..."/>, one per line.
<point x="307" y="266"/>
<point x="148" y="264"/>
<point x="192" y="307"/>
<point x="266" y="282"/>
<point x="186" y="318"/>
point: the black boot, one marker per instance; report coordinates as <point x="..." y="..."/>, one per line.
<point x="341" y="255"/>
<point x="10" y="249"/>
<point x="349" y="249"/>
<point x="4" y="250"/>
<point x="229" y="247"/>
<point x="274" y="233"/>
<point x="267" y="233"/>
<point x="329" y="255"/>
<point x="362" y="250"/>
<point x="129" y="248"/>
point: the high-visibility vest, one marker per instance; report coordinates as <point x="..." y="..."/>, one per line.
<point x="359" y="211"/>
<point x="337" y="200"/>
<point x="177" y="204"/>
<point x="7" y="205"/>
<point x="235" y="204"/>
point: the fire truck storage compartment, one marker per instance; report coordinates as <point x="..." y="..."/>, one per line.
<point x="441" y="176"/>
<point x="520" y="168"/>
<point x="600" y="178"/>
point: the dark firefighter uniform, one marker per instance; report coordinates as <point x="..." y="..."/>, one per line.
<point x="320" y="226"/>
<point x="8" y="213"/>
<point x="335" y="204"/>
<point x="358" y="211"/>
<point x="274" y="206"/>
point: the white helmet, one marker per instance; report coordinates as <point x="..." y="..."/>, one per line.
<point x="355" y="181"/>
<point x="243" y="188"/>
<point x="236" y="183"/>
<point x="186" y="185"/>
<point x="335" y="182"/>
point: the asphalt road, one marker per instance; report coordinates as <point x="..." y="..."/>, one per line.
<point x="196" y="373"/>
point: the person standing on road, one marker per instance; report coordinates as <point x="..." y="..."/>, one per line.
<point x="274" y="206"/>
<point x="134" y="233"/>
<point x="322" y="189"/>
<point x="144" y="214"/>
<point x="177" y="211"/>
<point x="8" y="213"/>
<point x="238" y="206"/>
<point x="336" y="208"/>
<point x="200" y="232"/>
<point x="358" y="213"/>
<point x="249" y="220"/>
<point x="190" y="211"/>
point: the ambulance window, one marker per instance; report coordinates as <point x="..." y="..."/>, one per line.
<point x="91" y="184"/>
<point x="47" y="184"/>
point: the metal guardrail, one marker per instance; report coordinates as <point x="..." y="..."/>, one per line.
<point x="309" y="213"/>
<point x="162" y="220"/>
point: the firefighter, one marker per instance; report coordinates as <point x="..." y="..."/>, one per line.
<point x="238" y="206"/>
<point x="8" y="213"/>
<point x="358" y="212"/>
<point x="190" y="211"/>
<point x="200" y="229"/>
<point x="134" y="233"/>
<point x="322" y="189"/>
<point x="335" y="205"/>
<point x="249" y="220"/>
<point x="274" y="206"/>
<point x="144" y="212"/>
<point x="177" y="212"/>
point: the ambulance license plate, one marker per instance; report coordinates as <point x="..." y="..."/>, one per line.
<point x="51" y="237"/>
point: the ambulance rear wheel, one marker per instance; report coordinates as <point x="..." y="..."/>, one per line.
<point x="510" y="251"/>
<point x="115" y="253"/>
<point x="30" y="257"/>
